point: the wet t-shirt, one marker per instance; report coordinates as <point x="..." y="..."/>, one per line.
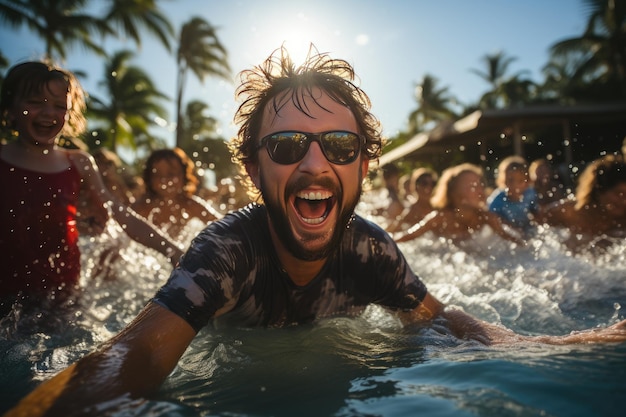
<point x="232" y="270"/>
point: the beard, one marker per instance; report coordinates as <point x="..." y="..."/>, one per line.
<point x="282" y="227"/>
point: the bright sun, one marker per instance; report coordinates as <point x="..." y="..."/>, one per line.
<point x="296" y="31"/>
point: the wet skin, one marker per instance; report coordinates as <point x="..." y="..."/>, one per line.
<point x="309" y="201"/>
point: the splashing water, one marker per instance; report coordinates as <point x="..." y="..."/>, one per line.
<point x="365" y="366"/>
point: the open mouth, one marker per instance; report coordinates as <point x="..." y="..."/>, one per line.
<point x="45" y="128"/>
<point x="313" y="207"/>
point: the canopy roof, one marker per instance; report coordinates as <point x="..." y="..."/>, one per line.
<point x="488" y="125"/>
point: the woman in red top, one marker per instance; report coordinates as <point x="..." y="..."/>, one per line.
<point x="40" y="183"/>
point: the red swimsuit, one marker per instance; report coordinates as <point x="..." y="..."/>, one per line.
<point x="38" y="235"/>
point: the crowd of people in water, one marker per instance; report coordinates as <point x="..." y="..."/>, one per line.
<point x="455" y="204"/>
<point x="50" y="195"/>
<point x="525" y="198"/>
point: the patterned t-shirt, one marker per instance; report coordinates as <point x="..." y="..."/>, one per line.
<point x="232" y="269"/>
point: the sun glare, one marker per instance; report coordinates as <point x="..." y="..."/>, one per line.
<point x="296" y="32"/>
<point x="362" y="39"/>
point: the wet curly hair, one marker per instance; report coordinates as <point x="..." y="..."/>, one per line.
<point x="277" y="80"/>
<point x="176" y="155"/>
<point x="30" y="78"/>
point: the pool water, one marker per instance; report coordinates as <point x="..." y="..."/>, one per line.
<point x="365" y="366"/>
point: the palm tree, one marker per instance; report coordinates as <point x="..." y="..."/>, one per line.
<point x="201" y="52"/>
<point x="603" y="46"/>
<point x="561" y="83"/>
<point x="129" y="15"/>
<point x="201" y="143"/>
<point x="505" y="89"/>
<point x="434" y="104"/>
<point x="4" y="62"/>
<point x="134" y="104"/>
<point x="517" y="91"/>
<point x="497" y="67"/>
<point x="196" y="124"/>
<point x="60" y="23"/>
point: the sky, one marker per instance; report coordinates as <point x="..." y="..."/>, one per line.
<point x="391" y="45"/>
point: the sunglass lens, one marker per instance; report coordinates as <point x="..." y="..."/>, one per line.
<point x="340" y="147"/>
<point x="288" y="147"/>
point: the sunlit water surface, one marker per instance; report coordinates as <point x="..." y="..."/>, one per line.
<point x="365" y="366"/>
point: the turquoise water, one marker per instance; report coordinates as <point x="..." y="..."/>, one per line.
<point x="366" y="366"/>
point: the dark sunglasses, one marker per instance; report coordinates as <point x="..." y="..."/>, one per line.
<point x="339" y="147"/>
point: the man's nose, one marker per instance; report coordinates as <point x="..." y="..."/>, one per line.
<point x="314" y="161"/>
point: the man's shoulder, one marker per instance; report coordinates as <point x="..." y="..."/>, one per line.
<point x="246" y="221"/>
<point x="252" y="213"/>
<point x="365" y="224"/>
<point x="363" y="228"/>
<point x="238" y="233"/>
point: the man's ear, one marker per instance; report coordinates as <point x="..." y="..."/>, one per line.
<point x="252" y="169"/>
<point x="365" y="164"/>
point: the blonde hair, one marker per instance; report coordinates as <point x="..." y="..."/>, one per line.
<point x="447" y="185"/>
<point x="598" y="177"/>
<point x="511" y="163"/>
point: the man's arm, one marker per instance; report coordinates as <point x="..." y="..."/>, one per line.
<point x="464" y="326"/>
<point x="134" y="363"/>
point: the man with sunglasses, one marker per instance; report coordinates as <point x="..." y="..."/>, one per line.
<point x="299" y="255"/>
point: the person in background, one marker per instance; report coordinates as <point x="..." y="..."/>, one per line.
<point x="91" y="217"/>
<point x="406" y="192"/>
<point x="40" y="184"/>
<point x="422" y="183"/>
<point x="460" y="208"/>
<point x="299" y="255"/>
<point x="545" y="181"/>
<point x="515" y="200"/>
<point x="170" y="199"/>
<point x="598" y="213"/>
<point x="393" y="205"/>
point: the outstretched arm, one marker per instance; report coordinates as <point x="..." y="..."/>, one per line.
<point x="464" y="326"/>
<point x="141" y="231"/>
<point x="134" y="363"/>
<point x="432" y="221"/>
<point x="137" y="228"/>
